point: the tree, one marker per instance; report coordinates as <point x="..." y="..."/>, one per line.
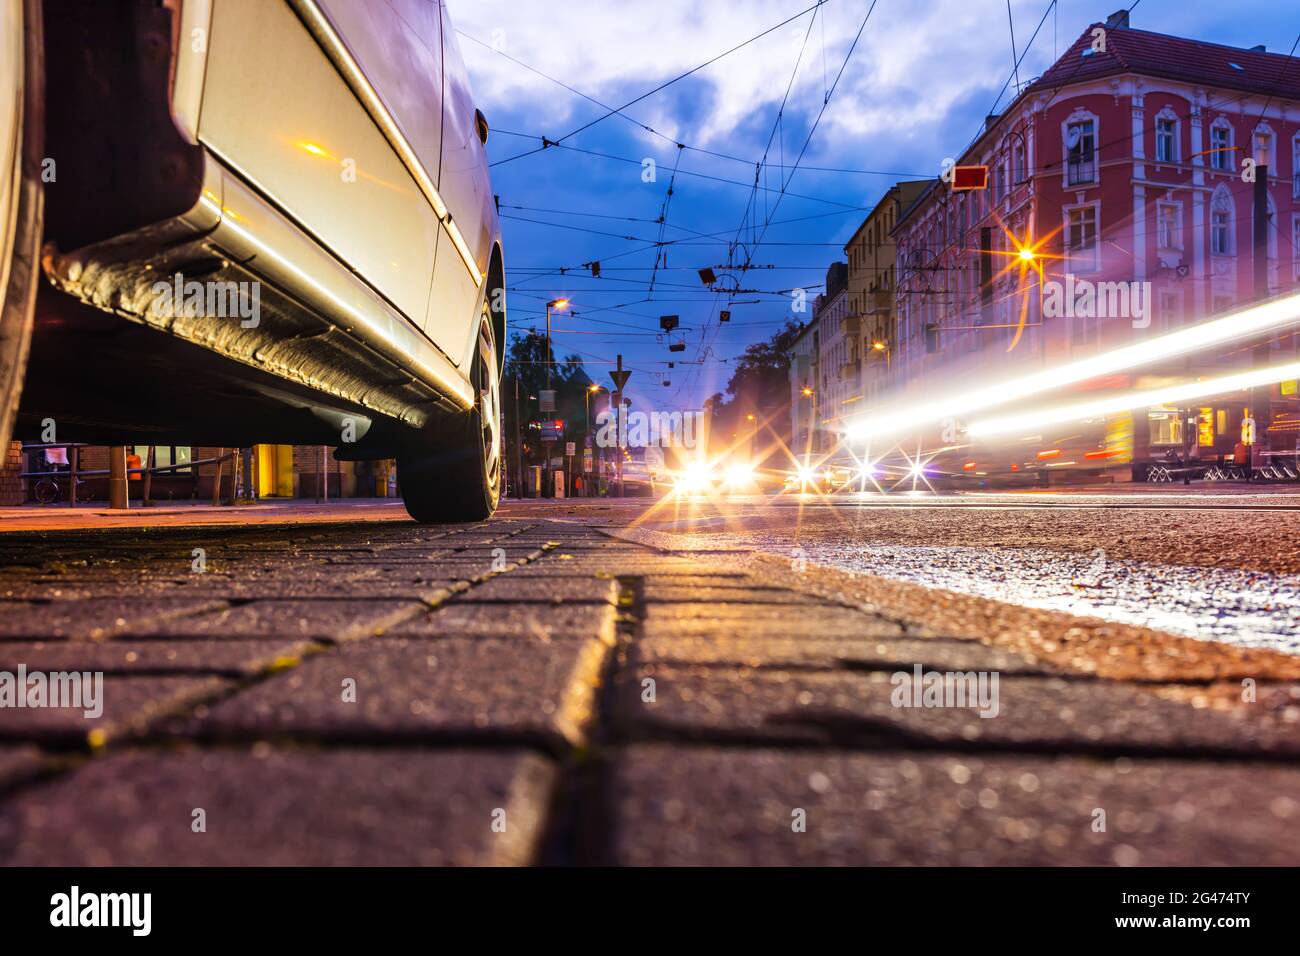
<point x="759" y="386"/>
<point x="526" y="363"/>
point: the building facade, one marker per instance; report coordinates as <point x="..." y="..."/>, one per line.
<point x="871" y="256"/>
<point x="1126" y="167"/>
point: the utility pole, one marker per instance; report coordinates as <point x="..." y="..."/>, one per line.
<point x="519" y="443"/>
<point x="620" y="377"/>
<point x="1261" y="404"/>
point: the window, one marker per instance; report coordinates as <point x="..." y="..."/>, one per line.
<point x="1166" y="427"/>
<point x="1020" y="162"/>
<point x="1219" y="232"/>
<point x="1168" y="235"/>
<point x="1295" y="248"/>
<point x="1081" y="238"/>
<point x="1166" y="140"/>
<point x="1263" y="147"/>
<point x="1171" y="308"/>
<point x="1081" y="155"/>
<point x="1221" y="145"/>
<point x="1083" y="330"/>
<point x="165" y="455"/>
<point x="1295" y="167"/>
<point x="1000" y="179"/>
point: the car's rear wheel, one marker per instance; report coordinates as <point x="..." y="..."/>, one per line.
<point x="457" y="477"/>
<point x="21" y="198"/>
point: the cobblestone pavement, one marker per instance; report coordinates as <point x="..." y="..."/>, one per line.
<point x="534" y="690"/>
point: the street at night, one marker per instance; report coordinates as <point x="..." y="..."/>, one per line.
<point x="844" y="435"/>
<point x="615" y="675"/>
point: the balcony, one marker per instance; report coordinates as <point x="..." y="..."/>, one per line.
<point x="878" y="302"/>
<point x="850" y="325"/>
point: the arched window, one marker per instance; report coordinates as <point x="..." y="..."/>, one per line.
<point x="1263" y="146"/>
<point x="1168" y="130"/>
<point x="1223" y="223"/>
<point x="1222" y="155"/>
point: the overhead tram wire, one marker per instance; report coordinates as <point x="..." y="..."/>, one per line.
<point x="826" y="101"/>
<point x="663" y="86"/>
<point x="758" y="172"/>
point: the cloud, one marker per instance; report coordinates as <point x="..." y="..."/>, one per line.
<point x="901" y="78"/>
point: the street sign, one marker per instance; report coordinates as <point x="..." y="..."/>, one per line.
<point x="586" y="462"/>
<point x="620" y="375"/>
<point x="570" y="449"/>
<point x="970" y="177"/>
<point x="546" y="400"/>
<point x="668" y="322"/>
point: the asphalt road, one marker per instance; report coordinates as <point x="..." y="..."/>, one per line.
<point x="753" y="681"/>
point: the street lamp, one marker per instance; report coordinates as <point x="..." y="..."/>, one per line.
<point x="559" y="305"/>
<point x="586" y="397"/>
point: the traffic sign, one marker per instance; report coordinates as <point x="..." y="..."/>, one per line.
<point x="546" y="400"/>
<point x="570" y="449"/>
<point x="620" y="375"/>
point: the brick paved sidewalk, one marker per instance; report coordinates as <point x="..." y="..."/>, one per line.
<point x="535" y="691"/>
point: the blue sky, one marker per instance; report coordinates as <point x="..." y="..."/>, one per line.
<point x="915" y="90"/>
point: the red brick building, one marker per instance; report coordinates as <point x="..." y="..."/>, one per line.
<point x="1125" y="162"/>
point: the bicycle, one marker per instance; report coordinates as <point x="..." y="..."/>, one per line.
<point x="47" y="490"/>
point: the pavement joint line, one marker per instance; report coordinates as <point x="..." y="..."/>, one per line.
<point x="138" y="731"/>
<point x="576" y="827"/>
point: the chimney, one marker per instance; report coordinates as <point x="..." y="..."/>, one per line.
<point x="1258" y="49"/>
<point x="991" y="120"/>
<point x="1117" y="20"/>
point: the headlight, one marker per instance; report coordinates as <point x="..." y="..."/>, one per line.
<point x="739" y="475"/>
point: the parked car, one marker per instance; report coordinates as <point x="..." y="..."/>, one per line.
<point x="225" y="222"/>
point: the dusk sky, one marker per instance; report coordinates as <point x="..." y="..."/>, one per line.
<point x="915" y="90"/>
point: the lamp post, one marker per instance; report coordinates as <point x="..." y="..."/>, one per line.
<point x="586" y="400"/>
<point x="558" y="305"/>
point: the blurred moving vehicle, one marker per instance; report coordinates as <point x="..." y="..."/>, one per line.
<point x="258" y="221"/>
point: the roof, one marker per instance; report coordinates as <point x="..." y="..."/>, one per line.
<point x="1174" y="58"/>
<point x="901" y="192"/>
<point x="1150" y="54"/>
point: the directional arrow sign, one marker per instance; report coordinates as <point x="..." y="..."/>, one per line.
<point x="620" y="375"/>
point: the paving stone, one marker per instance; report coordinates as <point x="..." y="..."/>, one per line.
<point x="867" y="654"/>
<point x="538" y="621"/>
<point x="679" y="806"/>
<point x="18" y="763"/>
<point x="94" y="618"/>
<point x="129" y="705"/>
<point x="755" y="620"/>
<point x="337" y="619"/>
<point x="697" y="594"/>
<point x="509" y="587"/>
<point x="422" y="690"/>
<point x="230" y="657"/>
<point x="856" y="709"/>
<point x="267" y="807"/>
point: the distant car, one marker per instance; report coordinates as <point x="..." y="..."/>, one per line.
<point x="258" y="221"/>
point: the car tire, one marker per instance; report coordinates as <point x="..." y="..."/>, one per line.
<point x="458" y="477"/>
<point x="20" y="233"/>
